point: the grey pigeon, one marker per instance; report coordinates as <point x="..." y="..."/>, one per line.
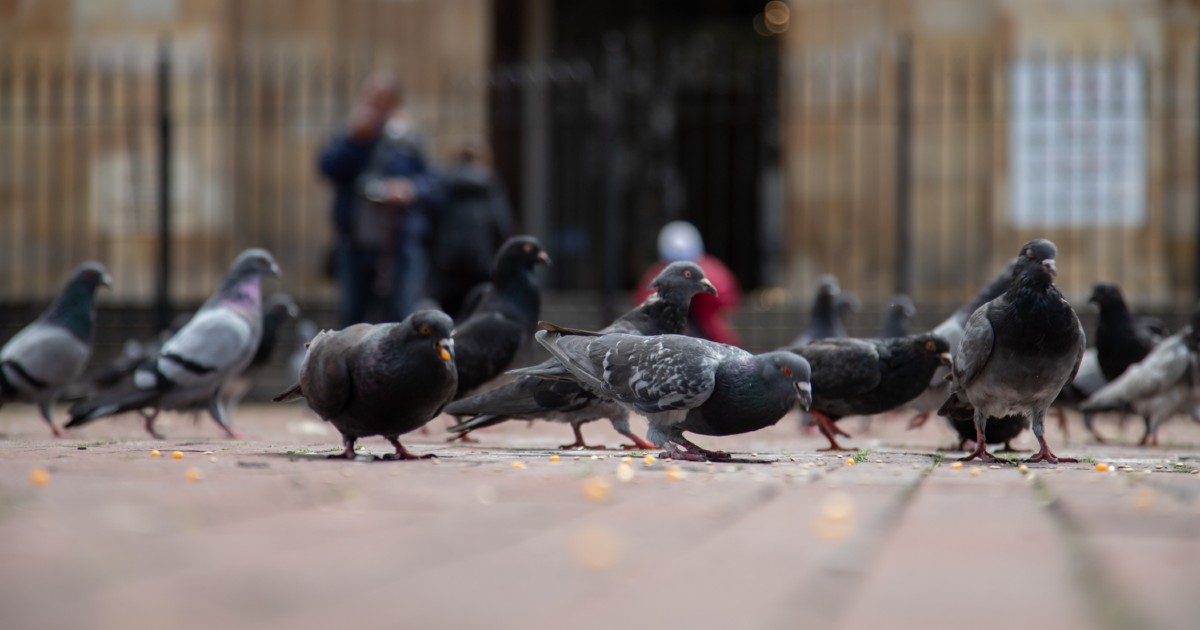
<point x="859" y="377"/>
<point x="380" y="379"/>
<point x="900" y="312"/>
<point x="1160" y="385"/>
<point x="217" y="343"/>
<point x="685" y="384"/>
<point x="952" y="329"/>
<point x="829" y="308"/>
<point x="278" y="308"/>
<point x="49" y="354"/>
<point x="532" y="397"/>
<point x="1018" y="351"/>
<point x="488" y="340"/>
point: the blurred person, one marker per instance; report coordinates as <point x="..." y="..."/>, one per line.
<point x="384" y="195"/>
<point x="469" y="230"/>
<point x="680" y="240"/>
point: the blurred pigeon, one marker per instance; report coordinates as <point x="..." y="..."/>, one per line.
<point x="380" y="379"/>
<point x="1018" y="351"/>
<point x="50" y="353"/>
<point x="306" y="329"/>
<point x="217" y="343"/>
<point x="530" y="397"/>
<point x="487" y="341"/>
<point x="900" y="312"/>
<point x="853" y="377"/>
<point x="1121" y="340"/>
<point x="952" y="331"/>
<point x="278" y="308"/>
<point x="1160" y="385"/>
<point x="829" y="307"/>
<point x="1088" y="380"/>
<point x="998" y="430"/>
<point x="684" y="383"/>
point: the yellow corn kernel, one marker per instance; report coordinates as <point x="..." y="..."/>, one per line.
<point x="956" y="466"/>
<point x="596" y="489"/>
<point x="850" y="461"/>
<point x="193" y="474"/>
<point x="674" y="473"/>
<point x="155" y="453"/>
<point x="649" y="459"/>
<point x="177" y="455"/>
<point x="554" y="458"/>
<point x="1102" y="467"/>
<point x="518" y="465"/>
<point x="39" y="477"/>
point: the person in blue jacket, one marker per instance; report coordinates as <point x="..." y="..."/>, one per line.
<point x="384" y="194"/>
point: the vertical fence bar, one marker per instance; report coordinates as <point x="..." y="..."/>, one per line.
<point x="903" y="276"/>
<point x="162" y="292"/>
<point x="1196" y="183"/>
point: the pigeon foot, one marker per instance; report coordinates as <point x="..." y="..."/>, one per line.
<point x="402" y="453"/>
<point x="680" y="448"/>
<point x="918" y="420"/>
<point x="638" y="443"/>
<point x="580" y="445"/>
<point x="58" y="433"/>
<point x="982" y="455"/>
<point x="1047" y="456"/>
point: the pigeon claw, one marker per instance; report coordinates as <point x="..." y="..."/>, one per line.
<point x="982" y="455"/>
<point x="1047" y="456"/>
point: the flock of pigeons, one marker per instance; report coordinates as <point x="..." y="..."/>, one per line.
<point x="993" y="368"/>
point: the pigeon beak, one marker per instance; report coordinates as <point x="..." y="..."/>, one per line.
<point x="106" y="280"/>
<point x="709" y="287"/>
<point x="446" y="349"/>
<point x="804" y="393"/>
<point x="945" y="359"/>
<point x="1050" y="266"/>
<point x="544" y="258"/>
<point x="274" y="270"/>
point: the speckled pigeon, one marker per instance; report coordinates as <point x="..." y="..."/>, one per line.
<point x="685" y="384"/>
<point x="380" y="379"/>
<point x="859" y="377"/>
<point x="1019" y="350"/>
<point x="217" y="343"/>
<point x="532" y="397"/>
<point x="1162" y="384"/>
<point x="488" y="340"/>
<point x="50" y="353"/>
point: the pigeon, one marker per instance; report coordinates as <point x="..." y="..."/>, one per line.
<point x="683" y="383"/>
<point x="829" y="307"/>
<point x="380" y="379"/>
<point x="1165" y="382"/>
<point x="900" y="312"/>
<point x="1087" y="381"/>
<point x="488" y="340"/>
<point x="187" y="374"/>
<point x="853" y="377"/>
<point x="1121" y="340"/>
<point x="278" y="309"/>
<point x="49" y="354"/>
<point x="998" y="430"/>
<point x="951" y="329"/>
<point x="530" y="397"/>
<point x="1018" y="351"/>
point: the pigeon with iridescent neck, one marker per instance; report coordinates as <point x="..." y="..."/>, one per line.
<point x="217" y="343"/>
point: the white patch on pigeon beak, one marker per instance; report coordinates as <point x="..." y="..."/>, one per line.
<point x="711" y="288"/>
<point x="106" y="280"/>
<point x="945" y="358"/>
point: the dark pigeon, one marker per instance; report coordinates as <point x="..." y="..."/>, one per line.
<point x="1019" y="351"/>
<point x="684" y="384"/>
<point x="952" y="330"/>
<point x="49" y="354"/>
<point x="829" y="308"/>
<point x="858" y="377"/>
<point x="187" y="374"/>
<point x="380" y="379"/>
<point x="1162" y="384"/>
<point x="1004" y="430"/>
<point x="278" y="309"/>
<point x="899" y="316"/>
<point x="531" y="397"/>
<point x="1121" y="340"/>
<point x="506" y="316"/>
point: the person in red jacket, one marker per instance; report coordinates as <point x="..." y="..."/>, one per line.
<point x="680" y="240"/>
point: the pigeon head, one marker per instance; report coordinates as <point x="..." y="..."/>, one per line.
<point x="1105" y="295"/>
<point x="1036" y="262"/>
<point x="827" y="286"/>
<point x="682" y="278"/>
<point x="436" y="327"/>
<point x="74" y="308"/>
<point x="934" y="346"/>
<point x="901" y="306"/>
<point x="280" y="306"/>
<point x="519" y="253"/>
<point x="243" y="284"/>
<point x="846" y="303"/>
<point x="254" y="262"/>
<point x="791" y="368"/>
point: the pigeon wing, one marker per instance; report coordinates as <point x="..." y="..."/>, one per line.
<point x="213" y="343"/>
<point x="842" y="367"/>
<point x="48" y="354"/>
<point x="975" y="348"/>
<point x="1162" y="368"/>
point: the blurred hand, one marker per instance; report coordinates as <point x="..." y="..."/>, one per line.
<point x="399" y="191"/>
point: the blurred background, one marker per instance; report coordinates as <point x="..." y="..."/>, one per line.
<point x="903" y="145"/>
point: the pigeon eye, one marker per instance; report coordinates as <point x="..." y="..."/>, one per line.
<point x="425" y="331"/>
<point x="687" y="274"/>
<point x="787" y="371"/>
<point x="929" y="345"/>
<point x="528" y="249"/>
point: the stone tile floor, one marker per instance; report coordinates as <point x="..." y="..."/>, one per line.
<point x="266" y="533"/>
